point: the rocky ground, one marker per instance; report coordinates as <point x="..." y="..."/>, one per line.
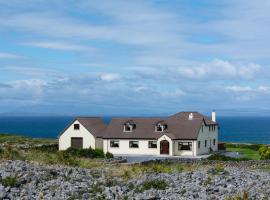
<point x="25" y="180"/>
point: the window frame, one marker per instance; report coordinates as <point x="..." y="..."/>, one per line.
<point x="116" y="141"/>
<point x="128" y="125"/>
<point x="149" y="144"/>
<point x="180" y="144"/>
<point x="134" y="147"/>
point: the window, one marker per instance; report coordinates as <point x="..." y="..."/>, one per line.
<point x="128" y="127"/>
<point x="133" y="144"/>
<point x="214" y="142"/>
<point x="199" y="144"/>
<point x="160" y="127"/>
<point x="185" y="146"/>
<point x="152" y="144"/>
<point x="205" y="143"/>
<point x="76" y="126"/>
<point x="114" y="143"/>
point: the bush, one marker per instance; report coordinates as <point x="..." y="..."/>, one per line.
<point x="264" y="152"/>
<point x="86" y="153"/>
<point x="64" y="157"/>
<point x="109" y="155"/>
<point x="50" y="148"/>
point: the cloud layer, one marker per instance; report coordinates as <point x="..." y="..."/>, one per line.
<point x="133" y="58"/>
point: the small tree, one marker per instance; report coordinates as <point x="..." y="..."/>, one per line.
<point x="264" y="152"/>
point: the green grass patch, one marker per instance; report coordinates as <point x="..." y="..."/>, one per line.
<point x="221" y="157"/>
<point x="155" y="184"/>
<point x="18" y="139"/>
<point x="9" y="181"/>
<point x="254" y="147"/>
<point x="247" y="153"/>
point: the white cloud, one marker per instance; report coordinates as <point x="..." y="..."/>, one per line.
<point x="218" y="69"/>
<point x="31" y="71"/>
<point x="109" y="77"/>
<point x="248" y="89"/>
<point x="215" y="70"/>
<point x="60" y="46"/>
<point x="4" y="55"/>
<point x="239" y="88"/>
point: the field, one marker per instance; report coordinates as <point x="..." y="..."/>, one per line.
<point x="246" y="152"/>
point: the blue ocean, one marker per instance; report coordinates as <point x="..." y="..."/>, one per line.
<point x="232" y="129"/>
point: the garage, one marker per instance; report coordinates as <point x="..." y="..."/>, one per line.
<point x="77" y="142"/>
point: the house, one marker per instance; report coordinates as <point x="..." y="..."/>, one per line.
<point x="83" y="132"/>
<point x="182" y="134"/>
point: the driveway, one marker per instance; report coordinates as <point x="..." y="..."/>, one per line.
<point x="142" y="158"/>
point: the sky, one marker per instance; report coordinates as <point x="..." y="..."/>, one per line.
<point x="123" y="57"/>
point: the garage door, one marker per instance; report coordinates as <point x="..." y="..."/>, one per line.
<point x="77" y="143"/>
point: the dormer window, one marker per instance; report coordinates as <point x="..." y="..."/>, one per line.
<point x="129" y="126"/>
<point x="160" y="127"/>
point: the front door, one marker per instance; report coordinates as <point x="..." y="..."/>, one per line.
<point x="77" y="142"/>
<point x="164" y="147"/>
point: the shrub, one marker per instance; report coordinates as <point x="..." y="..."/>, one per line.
<point x="9" y="181"/>
<point x="86" y="153"/>
<point x="50" y="148"/>
<point x="64" y="157"/>
<point x="264" y="152"/>
<point x="109" y="155"/>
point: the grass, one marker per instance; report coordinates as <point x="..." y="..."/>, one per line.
<point x="246" y="152"/>
<point x="17" y="139"/>
<point x="9" y="181"/>
<point x="155" y="184"/>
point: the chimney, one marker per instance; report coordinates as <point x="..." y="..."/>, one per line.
<point x="190" y="116"/>
<point x="214" y="116"/>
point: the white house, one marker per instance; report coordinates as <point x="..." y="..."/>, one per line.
<point x="185" y="133"/>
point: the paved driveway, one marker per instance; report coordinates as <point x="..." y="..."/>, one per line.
<point x="141" y="158"/>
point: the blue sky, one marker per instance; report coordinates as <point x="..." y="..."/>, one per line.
<point x="134" y="57"/>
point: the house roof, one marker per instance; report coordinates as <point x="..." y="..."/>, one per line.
<point x="178" y="127"/>
<point x="94" y="125"/>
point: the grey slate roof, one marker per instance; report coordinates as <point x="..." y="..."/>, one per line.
<point x="179" y="127"/>
<point x="94" y="125"/>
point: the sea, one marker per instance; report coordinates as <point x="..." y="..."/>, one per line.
<point x="232" y="129"/>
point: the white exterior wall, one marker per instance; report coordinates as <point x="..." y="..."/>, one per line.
<point x="65" y="138"/>
<point x="205" y="134"/>
<point x="185" y="152"/>
<point x="142" y="150"/>
<point x="99" y="143"/>
<point x="124" y="147"/>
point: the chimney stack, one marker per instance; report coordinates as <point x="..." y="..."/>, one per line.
<point x="214" y="116"/>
